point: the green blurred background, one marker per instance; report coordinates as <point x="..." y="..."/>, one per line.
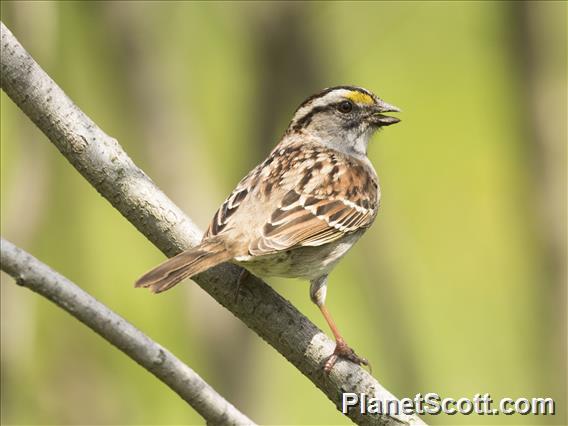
<point x="460" y="286"/>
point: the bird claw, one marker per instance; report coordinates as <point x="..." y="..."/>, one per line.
<point x="345" y="352"/>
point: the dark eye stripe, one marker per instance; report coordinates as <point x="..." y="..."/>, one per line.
<point x="307" y="119"/>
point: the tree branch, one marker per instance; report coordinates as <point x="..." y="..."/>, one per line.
<point x="38" y="277"/>
<point x="101" y="160"/>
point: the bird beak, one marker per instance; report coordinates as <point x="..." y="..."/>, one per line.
<point x="384" y="120"/>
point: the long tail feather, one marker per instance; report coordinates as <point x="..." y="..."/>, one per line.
<point x="184" y="265"/>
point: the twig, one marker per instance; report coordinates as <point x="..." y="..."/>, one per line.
<point x="38" y="277"/>
<point x="101" y="160"/>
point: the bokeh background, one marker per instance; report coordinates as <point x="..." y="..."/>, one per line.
<point x="460" y="286"/>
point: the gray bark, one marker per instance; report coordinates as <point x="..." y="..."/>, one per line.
<point x="38" y="277"/>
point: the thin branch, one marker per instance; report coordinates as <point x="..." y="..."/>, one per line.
<point x="101" y="160"/>
<point x="40" y="278"/>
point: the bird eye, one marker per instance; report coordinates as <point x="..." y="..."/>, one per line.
<point x="345" y="107"/>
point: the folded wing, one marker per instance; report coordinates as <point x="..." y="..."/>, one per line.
<point x="304" y="220"/>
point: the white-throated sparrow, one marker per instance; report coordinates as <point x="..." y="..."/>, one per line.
<point x="299" y="211"/>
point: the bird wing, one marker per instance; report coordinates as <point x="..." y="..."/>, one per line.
<point x="314" y="196"/>
<point x="304" y="220"/>
<point x="331" y="195"/>
<point x="228" y="208"/>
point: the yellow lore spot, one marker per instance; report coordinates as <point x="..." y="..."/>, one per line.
<point x="360" y="97"/>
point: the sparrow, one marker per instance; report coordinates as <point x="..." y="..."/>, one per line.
<point x="298" y="212"/>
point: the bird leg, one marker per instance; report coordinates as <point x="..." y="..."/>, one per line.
<point x="318" y="290"/>
<point x="244" y="275"/>
<point x="342" y="350"/>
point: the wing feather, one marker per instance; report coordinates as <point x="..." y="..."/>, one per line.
<point x="322" y="196"/>
<point x="309" y="221"/>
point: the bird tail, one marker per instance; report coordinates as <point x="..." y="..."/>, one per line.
<point x="186" y="264"/>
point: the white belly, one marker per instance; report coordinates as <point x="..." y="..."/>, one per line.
<point x="303" y="262"/>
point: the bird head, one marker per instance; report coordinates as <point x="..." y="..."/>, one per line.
<point x="342" y="117"/>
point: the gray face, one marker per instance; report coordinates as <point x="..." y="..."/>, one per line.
<point x="343" y="118"/>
